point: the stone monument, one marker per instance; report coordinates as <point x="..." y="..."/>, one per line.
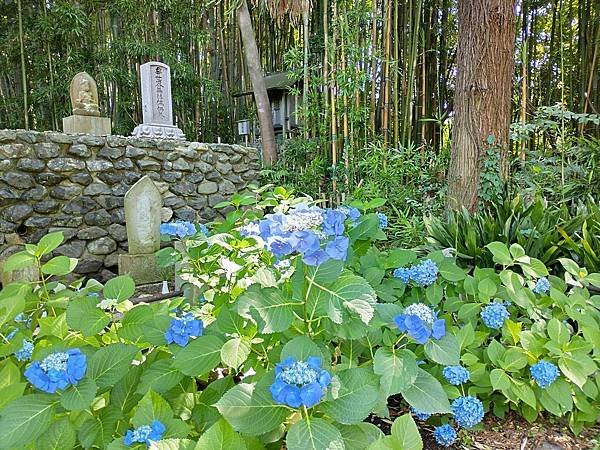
<point x="86" y="114"/>
<point x="157" y="107"/>
<point x="143" y="204"/>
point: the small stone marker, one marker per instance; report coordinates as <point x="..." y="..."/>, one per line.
<point x="157" y="106"/>
<point x="86" y="113"/>
<point x="143" y="204"/>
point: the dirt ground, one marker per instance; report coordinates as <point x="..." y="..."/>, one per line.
<point x="511" y="433"/>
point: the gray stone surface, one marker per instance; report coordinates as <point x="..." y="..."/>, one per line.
<point x="77" y="184"/>
<point x="46" y="150"/>
<point x="18" y="179"/>
<point x="65" y="164"/>
<point x="66" y="191"/>
<point x="207" y="187"/>
<point x="157" y="107"/>
<point x="86" y="124"/>
<point x="144" y="269"/>
<point x="98" y="165"/>
<point x="91" y="233"/>
<point x="31" y="165"/>
<point x="102" y="246"/>
<point x="142" y="216"/>
<point x="80" y="150"/>
<point x="17" y="213"/>
<point x="73" y="249"/>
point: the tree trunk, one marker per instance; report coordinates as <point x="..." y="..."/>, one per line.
<point x="263" y="107"/>
<point x="485" y="64"/>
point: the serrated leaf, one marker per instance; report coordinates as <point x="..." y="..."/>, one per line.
<point x="235" y="352"/>
<point x="427" y="394"/>
<point x="79" y="396"/>
<point x="250" y="409"/>
<point x="25" y="419"/>
<point x="316" y="434"/>
<point x="269" y="308"/>
<point x="356" y="397"/>
<point x="301" y="347"/>
<point x="200" y="356"/>
<point x="49" y="242"/>
<point x="220" y="436"/>
<point x="59" y="265"/>
<point x="499" y="379"/>
<point x="60" y="436"/>
<point x="500" y="253"/>
<point x="398" y="370"/>
<point x="359" y="436"/>
<point x="111" y="363"/>
<point x="83" y="315"/>
<point x="119" y="288"/>
<point x="444" y="351"/>
<point x="161" y="376"/>
<point x="406" y="433"/>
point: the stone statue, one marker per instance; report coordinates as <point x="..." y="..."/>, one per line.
<point x="86" y="114"/>
<point x="84" y="95"/>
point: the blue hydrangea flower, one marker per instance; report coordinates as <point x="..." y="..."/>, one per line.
<point x="10" y="335"/>
<point x="494" y="315"/>
<point x="203" y="229"/>
<point x="280" y="246"/>
<point x="178" y="228"/>
<point x="282" y="264"/>
<point x="250" y="229"/>
<point x="23" y="318"/>
<point x="306" y="241"/>
<point x="383" y="220"/>
<point x="183" y="328"/>
<point x="403" y="273"/>
<point x="421" y="323"/>
<point x="542" y="286"/>
<point x="24" y="353"/>
<point x="315" y="258"/>
<point x="456" y="375"/>
<point x="333" y="222"/>
<point x="445" y="435"/>
<point x="146" y="434"/>
<point x="57" y="371"/>
<point x="338" y="248"/>
<point x="419" y="414"/>
<point x="467" y="411"/>
<point x="424" y="273"/>
<point x="544" y="373"/>
<point x="352" y="212"/>
<point x="300" y="382"/>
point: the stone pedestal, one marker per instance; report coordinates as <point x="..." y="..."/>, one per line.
<point x="149" y="130"/>
<point x="99" y="126"/>
<point x="144" y="269"/>
<point x="26" y="275"/>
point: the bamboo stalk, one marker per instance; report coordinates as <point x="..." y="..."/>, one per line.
<point x="23" y="70"/>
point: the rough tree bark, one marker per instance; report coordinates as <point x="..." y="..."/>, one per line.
<point x="482" y="102"/>
<point x="263" y="106"/>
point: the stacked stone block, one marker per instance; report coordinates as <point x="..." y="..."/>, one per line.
<point x="76" y="183"/>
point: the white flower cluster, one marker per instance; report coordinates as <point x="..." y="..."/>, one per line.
<point x="304" y="219"/>
<point x="299" y="373"/>
<point x="420" y="310"/>
<point x="56" y="361"/>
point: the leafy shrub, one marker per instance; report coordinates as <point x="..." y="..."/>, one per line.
<point x="546" y="232"/>
<point x="295" y="348"/>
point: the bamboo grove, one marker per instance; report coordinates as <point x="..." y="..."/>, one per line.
<point x="372" y="70"/>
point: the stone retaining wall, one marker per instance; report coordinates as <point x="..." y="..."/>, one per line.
<point x="75" y="183"/>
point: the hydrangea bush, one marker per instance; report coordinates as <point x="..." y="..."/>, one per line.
<point x="297" y="324"/>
